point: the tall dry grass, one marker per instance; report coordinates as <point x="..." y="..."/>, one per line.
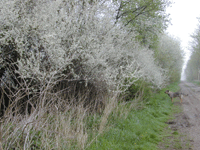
<point x="48" y="121"/>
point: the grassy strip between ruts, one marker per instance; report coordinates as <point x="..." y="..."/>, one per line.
<point x="139" y="127"/>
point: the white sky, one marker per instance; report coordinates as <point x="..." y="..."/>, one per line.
<point x="183" y="14"/>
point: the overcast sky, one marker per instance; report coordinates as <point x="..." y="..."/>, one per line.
<point x="183" y="14"/>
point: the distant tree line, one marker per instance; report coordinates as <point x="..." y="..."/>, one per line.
<point x="193" y="66"/>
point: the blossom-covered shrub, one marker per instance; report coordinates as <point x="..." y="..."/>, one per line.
<point x="169" y="54"/>
<point x="69" y="41"/>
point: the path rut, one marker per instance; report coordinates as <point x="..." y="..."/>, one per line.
<point x="191" y="113"/>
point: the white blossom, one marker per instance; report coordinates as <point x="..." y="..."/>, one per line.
<point x="68" y="31"/>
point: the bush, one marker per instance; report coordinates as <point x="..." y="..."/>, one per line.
<point x="72" y="47"/>
<point x="140" y="89"/>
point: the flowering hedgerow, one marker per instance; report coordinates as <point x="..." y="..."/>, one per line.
<point x="75" y="39"/>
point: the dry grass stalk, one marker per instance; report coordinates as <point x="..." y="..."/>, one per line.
<point x="53" y="123"/>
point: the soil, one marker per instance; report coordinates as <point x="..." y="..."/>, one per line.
<point x="186" y="123"/>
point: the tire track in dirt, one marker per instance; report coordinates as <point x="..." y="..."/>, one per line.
<point x="191" y="113"/>
<point x="187" y="123"/>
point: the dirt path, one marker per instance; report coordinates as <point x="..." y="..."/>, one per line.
<point x="191" y="113"/>
<point x="188" y="122"/>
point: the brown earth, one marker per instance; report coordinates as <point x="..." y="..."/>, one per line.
<point x="187" y="123"/>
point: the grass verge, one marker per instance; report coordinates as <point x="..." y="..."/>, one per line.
<point x="137" y="124"/>
<point x="139" y="127"/>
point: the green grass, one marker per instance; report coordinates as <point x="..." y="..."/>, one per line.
<point x="140" y="129"/>
<point x="124" y="125"/>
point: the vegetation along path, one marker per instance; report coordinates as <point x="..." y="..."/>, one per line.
<point x="143" y="129"/>
<point x="188" y="122"/>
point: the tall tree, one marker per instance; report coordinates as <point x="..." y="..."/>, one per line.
<point x="169" y="55"/>
<point x="148" y="17"/>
